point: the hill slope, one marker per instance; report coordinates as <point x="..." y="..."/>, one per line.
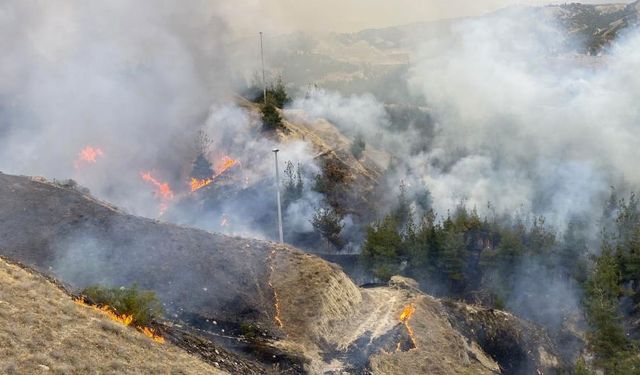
<point x="305" y="309"/>
<point x="43" y="331"/>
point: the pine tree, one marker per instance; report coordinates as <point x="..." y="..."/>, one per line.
<point x="328" y="223"/>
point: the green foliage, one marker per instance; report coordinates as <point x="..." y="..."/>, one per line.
<point x="383" y="242"/>
<point x="358" y="146"/>
<point x="249" y="330"/>
<point x="607" y="336"/>
<point x="328" y="223"/>
<point x="143" y="305"/>
<point x="332" y="182"/>
<point x="276" y="93"/>
<point x="581" y="368"/>
<point x="271" y="118"/>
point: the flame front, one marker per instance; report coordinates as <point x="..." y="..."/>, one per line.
<point x="221" y="166"/>
<point x="163" y="190"/>
<point x="197" y="184"/>
<point x="88" y="155"/>
<point x="121" y="318"/>
<point x="404" y="318"/>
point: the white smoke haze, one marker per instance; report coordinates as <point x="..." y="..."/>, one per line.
<point x="137" y="81"/>
<point x="520" y="124"/>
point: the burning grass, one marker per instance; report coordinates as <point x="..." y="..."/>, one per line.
<point x="128" y="306"/>
<point x="43" y="331"/>
<point x="142" y="306"/>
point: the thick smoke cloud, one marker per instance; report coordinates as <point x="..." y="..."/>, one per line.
<point x="522" y="123"/>
<point x="138" y="81"/>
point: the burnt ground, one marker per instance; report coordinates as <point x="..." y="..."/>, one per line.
<point x="272" y="307"/>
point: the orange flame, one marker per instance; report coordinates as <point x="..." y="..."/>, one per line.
<point x="221" y="166"/>
<point x="224" y="164"/>
<point x="124" y="319"/>
<point x="276" y="300"/>
<point x="404" y="318"/>
<point x="197" y="184"/>
<point x="88" y="155"/>
<point x="150" y="333"/>
<point x="163" y="190"/>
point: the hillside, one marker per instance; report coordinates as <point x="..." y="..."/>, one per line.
<point x="43" y="331"/>
<point x="375" y="60"/>
<point x="306" y="312"/>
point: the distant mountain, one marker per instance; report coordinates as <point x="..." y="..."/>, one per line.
<point x="376" y="60"/>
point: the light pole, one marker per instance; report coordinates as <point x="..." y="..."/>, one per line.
<point x="275" y="153"/>
<point x="264" y="81"/>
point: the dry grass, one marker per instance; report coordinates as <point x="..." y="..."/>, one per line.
<point x="42" y="331"/>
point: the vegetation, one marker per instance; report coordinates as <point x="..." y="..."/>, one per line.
<point x="276" y="93"/>
<point x="332" y="182"/>
<point x="293" y="184"/>
<point x="142" y="305"/>
<point x="615" y="278"/>
<point x="328" y="223"/>
<point x="271" y="119"/>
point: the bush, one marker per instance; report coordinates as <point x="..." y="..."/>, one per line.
<point x="142" y="305"/>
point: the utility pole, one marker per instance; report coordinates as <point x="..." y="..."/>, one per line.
<point x="275" y="153"/>
<point x="264" y="81"/>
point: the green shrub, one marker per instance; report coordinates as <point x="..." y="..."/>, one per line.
<point x="271" y="119"/>
<point x="142" y="305"/>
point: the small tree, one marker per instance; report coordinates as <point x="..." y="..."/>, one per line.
<point x="328" y="223"/>
<point x="278" y="93"/>
<point x="293" y="184"/>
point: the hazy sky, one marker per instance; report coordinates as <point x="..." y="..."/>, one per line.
<point x="354" y="15"/>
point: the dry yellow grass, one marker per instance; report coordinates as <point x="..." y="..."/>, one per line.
<point x="42" y="331"/>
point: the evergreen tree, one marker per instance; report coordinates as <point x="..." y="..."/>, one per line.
<point x="328" y="223"/>
<point x="293" y="184"/>
<point x="271" y="119"/>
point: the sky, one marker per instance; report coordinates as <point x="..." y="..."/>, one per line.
<point x="281" y="16"/>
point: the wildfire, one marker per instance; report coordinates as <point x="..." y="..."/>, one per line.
<point x="163" y="190"/>
<point x="197" y="184"/>
<point x="404" y="318"/>
<point x="124" y="319"/>
<point x="224" y="165"/>
<point x="221" y="166"/>
<point x="276" y="300"/>
<point x="88" y="155"/>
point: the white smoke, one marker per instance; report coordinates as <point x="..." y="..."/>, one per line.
<point x="523" y="124"/>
